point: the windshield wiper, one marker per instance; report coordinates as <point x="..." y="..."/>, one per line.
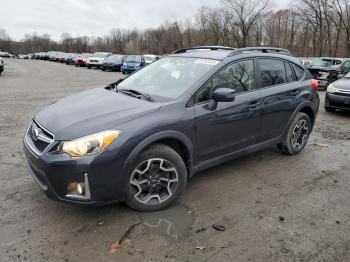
<point x="136" y="94"/>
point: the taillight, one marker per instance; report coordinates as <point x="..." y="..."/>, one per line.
<point x="314" y="84"/>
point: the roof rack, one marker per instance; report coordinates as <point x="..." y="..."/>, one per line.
<point x="212" y="48"/>
<point x="260" y="49"/>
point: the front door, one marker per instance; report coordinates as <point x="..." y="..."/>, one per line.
<point x="232" y="126"/>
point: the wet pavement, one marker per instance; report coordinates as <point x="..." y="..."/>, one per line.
<point x="273" y="207"/>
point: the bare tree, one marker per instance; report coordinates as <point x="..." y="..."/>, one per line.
<point x="242" y="15"/>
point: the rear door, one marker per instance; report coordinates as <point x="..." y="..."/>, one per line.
<point x="232" y="126"/>
<point x="280" y="89"/>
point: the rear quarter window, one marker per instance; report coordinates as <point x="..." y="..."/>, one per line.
<point x="299" y="72"/>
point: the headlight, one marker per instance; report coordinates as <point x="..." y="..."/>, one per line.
<point x="89" y="145"/>
<point x="324" y="75"/>
<point x="331" y="89"/>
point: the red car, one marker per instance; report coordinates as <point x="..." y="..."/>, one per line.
<point x="81" y="59"/>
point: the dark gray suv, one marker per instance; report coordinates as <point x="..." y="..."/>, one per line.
<point x="140" y="139"/>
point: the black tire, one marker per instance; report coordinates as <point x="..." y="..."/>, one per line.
<point x="295" y="142"/>
<point x="103" y="69"/>
<point x="329" y="109"/>
<point x="147" y="161"/>
<point x="89" y="67"/>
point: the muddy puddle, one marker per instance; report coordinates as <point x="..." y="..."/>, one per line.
<point x="173" y="223"/>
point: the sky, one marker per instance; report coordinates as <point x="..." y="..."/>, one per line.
<point x="94" y="17"/>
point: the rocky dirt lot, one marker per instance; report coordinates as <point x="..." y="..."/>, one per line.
<point x="273" y="207"/>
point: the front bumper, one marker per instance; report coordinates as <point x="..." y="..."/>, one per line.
<point x="338" y="100"/>
<point x="111" y="67"/>
<point x="101" y="174"/>
<point x="93" y="64"/>
<point x="126" y="69"/>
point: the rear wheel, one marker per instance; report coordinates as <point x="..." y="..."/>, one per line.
<point x="157" y="179"/>
<point x="298" y="135"/>
<point x="89" y="67"/>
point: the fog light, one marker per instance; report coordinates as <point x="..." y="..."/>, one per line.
<point x="75" y="188"/>
<point x="79" y="190"/>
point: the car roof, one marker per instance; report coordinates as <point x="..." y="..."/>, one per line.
<point x="223" y="54"/>
<point x="205" y="54"/>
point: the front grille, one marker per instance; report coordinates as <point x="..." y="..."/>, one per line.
<point x="41" y="145"/>
<point x="38" y="138"/>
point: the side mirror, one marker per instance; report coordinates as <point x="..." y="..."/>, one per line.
<point x="221" y="95"/>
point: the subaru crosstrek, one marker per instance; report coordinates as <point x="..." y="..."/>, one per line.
<point x="140" y="139"/>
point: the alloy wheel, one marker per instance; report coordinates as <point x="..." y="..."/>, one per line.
<point x="300" y="134"/>
<point x="154" y="181"/>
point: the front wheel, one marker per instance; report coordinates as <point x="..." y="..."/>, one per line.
<point x="297" y="136"/>
<point x="157" y="179"/>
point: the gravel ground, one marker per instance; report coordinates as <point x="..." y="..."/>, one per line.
<point x="274" y="207"/>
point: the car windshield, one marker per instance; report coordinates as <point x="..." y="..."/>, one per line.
<point x="320" y="63"/>
<point x="133" y="58"/>
<point x="102" y="55"/>
<point x="168" y="77"/>
<point x="115" y="58"/>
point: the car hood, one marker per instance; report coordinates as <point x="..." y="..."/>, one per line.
<point x="90" y="112"/>
<point x="343" y="83"/>
<point x="320" y="68"/>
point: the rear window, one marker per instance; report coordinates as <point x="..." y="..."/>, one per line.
<point x="272" y="72"/>
<point x="289" y="73"/>
<point x="299" y="72"/>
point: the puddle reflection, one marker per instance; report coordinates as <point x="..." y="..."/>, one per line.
<point x="173" y="223"/>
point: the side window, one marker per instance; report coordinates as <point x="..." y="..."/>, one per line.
<point x="238" y="76"/>
<point x="272" y="72"/>
<point x="289" y="73"/>
<point x="299" y="72"/>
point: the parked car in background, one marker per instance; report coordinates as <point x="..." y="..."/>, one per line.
<point x="323" y="71"/>
<point x="62" y="57"/>
<point x="6" y="55"/>
<point x="132" y="63"/>
<point x="2" y="65"/>
<point x="81" y="60"/>
<point x="28" y="56"/>
<point x="70" y="60"/>
<point x="336" y="62"/>
<point x="338" y="95"/>
<point x="113" y="62"/>
<point x="97" y="59"/>
<point x="149" y="59"/>
<point x="140" y="139"/>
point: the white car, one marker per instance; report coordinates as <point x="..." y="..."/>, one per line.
<point x="149" y="59"/>
<point x="97" y="59"/>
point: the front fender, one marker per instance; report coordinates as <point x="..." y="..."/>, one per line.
<point x="157" y="137"/>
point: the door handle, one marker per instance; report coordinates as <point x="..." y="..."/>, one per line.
<point x="295" y="92"/>
<point x="253" y="105"/>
